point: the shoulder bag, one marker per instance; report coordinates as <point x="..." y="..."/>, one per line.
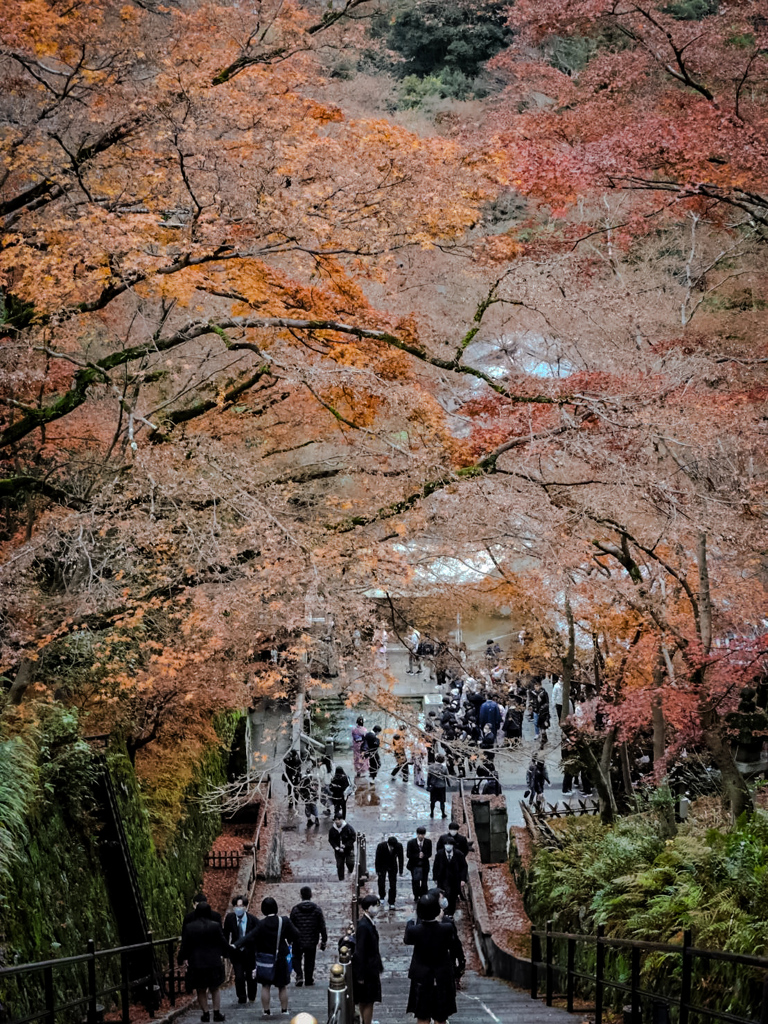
<point x="267" y="962"/>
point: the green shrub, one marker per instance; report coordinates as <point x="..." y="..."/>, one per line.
<point x="692" y="10"/>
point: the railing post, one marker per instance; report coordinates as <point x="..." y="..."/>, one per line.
<point x="50" y="997"/>
<point x="171" y="973"/>
<point x="363" y="856"/>
<point x="599" y="973"/>
<point x="549" y="972"/>
<point x="91" y="982"/>
<point x="685" y="985"/>
<point x="125" y="990"/>
<point x="764" y="1007"/>
<point x="569" y="975"/>
<point x="535" y="957"/>
<point x="635" y="986"/>
<point x="150" y="990"/>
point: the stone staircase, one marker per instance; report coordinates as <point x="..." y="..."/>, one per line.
<point x="391" y="807"/>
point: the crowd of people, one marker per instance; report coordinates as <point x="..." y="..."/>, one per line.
<point x="267" y="950"/>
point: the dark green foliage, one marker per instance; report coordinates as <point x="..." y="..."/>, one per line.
<point x="570" y="54"/>
<point x="447" y="35"/>
<point x="692" y="10"/>
<point x="644" y="887"/>
<point x="15" y="313"/>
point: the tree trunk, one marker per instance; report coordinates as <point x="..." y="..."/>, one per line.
<point x="568" y="661"/>
<point x="600" y="774"/>
<point x="657" y="720"/>
<point x="735" y="788"/>
<point x="626" y="772"/>
<point x="23" y="680"/>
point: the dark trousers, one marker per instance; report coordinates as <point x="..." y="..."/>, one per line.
<point x="558" y="712"/>
<point x="307" y="954"/>
<point x="401" y="766"/>
<point x="245" y="986"/>
<point x="392" y="894"/>
<point x="340" y="806"/>
<point x="451" y="895"/>
<point x="344" y="857"/>
<point x="420" y="887"/>
<point x="436" y="796"/>
<point x="374" y="763"/>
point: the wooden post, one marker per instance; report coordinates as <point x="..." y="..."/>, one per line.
<point x="549" y="971"/>
<point x="171" y="973"/>
<point x="91" y="982"/>
<point x="50" y="997"/>
<point x="570" y="978"/>
<point x="125" y="990"/>
<point x="685" y="985"/>
<point x="599" y="973"/>
<point x="635" y="986"/>
<point x="535" y="957"/>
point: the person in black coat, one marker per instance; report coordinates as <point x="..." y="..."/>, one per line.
<point x="201" y="898"/>
<point x="342" y="838"/>
<point x="308" y="920"/>
<point x="433" y="985"/>
<point x="264" y="939"/>
<point x="418" y="853"/>
<point x="449" y="871"/>
<point x="338" y="787"/>
<point x="460" y="842"/>
<point x="389" y="861"/>
<point x="237" y="924"/>
<point x="366" y="960"/>
<point x="202" y="947"/>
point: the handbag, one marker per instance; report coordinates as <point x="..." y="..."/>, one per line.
<point x="267" y="962"/>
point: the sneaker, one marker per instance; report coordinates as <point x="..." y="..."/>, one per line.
<point x="391" y="906"/>
<point x="299" y="982"/>
<point x="266" y="1013"/>
<point x="218" y="1016"/>
<point x="205" y="1017"/>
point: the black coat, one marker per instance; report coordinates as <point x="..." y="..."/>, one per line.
<point x="346" y="838"/>
<point x="412" y="853"/>
<point x="232" y="926"/>
<point x="202" y="944"/>
<point x="308" y="920"/>
<point x="366" y="960"/>
<point x="388" y="859"/>
<point x="434" y="950"/>
<point x="338" y="786"/>
<point x="449" y="875"/>
<point x="460" y="842"/>
<point x="263" y="938"/>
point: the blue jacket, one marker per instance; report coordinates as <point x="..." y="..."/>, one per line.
<point x="490" y="714"/>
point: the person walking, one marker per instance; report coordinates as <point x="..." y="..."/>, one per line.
<point x="237" y="924"/>
<point x="536" y="778"/>
<point x="202" y="947"/>
<point x="342" y="838"/>
<point x="460" y="842"/>
<point x="269" y="941"/>
<point x="432" y="994"/>
<point x="308" y="920"/>
<point x="540" y="703"/>
<point x="370" y="750"/>
<point x="557" y="697"/>
<point x="418" y="759"/>
<point x="437" y="782"/>
<point x="200" y="897"/>
<point x="358" y="735"/>
<point x="513" y="722"/>
<point x="388" y="862"/>
<point x="418" y="854"/>
<point x="339" y="787"/>
<point x="309" y="791"/>
<point x="490" y="714"/>
<point x="412" y="643"/>
<point x="449" y="873"/>
<point x="401" y="758"/>
<point x="292" y="774"/>
<point x="366" y="960"/>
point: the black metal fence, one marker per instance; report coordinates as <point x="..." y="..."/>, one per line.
<point x="655" y="981"/>
<point x="77" y="988"/>
<point x="223" y="859"/>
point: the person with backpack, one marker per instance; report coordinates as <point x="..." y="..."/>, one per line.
<point x="370" y="750"/>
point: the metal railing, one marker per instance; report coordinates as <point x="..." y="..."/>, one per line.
<point x="360" y="874"/>
<point x="681" y="976"/>
<point x="93" y="976"/>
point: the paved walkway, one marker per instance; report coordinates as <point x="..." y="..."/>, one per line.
<point x="390" y="807"/>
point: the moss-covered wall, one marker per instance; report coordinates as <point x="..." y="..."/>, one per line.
<point x="55" y="897"/>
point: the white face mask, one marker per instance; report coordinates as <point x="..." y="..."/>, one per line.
<point x="443" y="902"/>
<point x="372" y="911"/>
